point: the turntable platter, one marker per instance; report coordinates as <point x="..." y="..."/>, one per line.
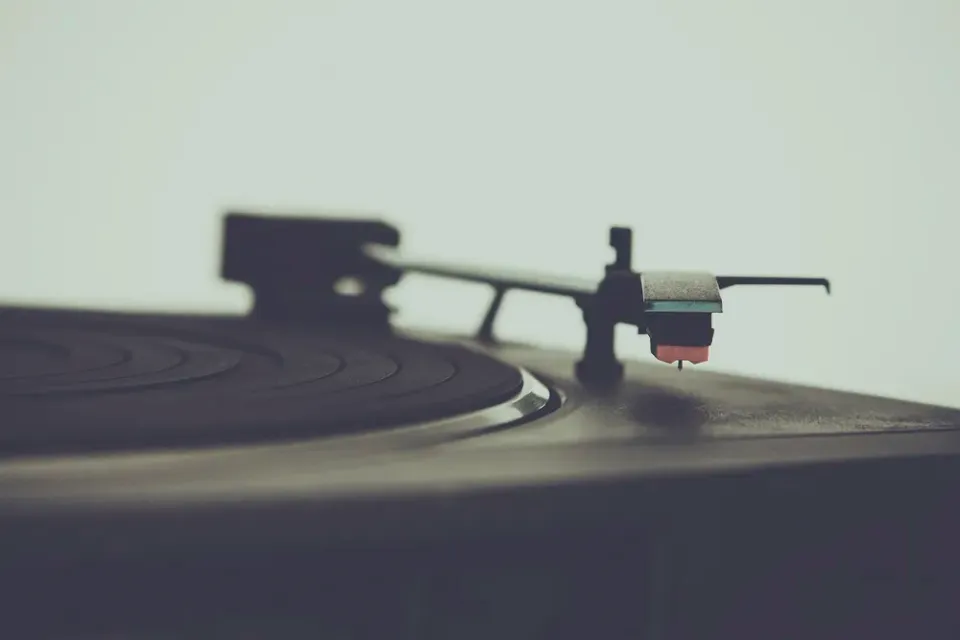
<point x="74" y="380"/>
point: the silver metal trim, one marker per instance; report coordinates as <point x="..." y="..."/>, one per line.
<point x="532" y="398"/>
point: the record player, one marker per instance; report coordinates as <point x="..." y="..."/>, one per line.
<point x="310" y="470"/>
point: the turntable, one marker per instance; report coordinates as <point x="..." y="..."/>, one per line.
<point x="310" y="469"/>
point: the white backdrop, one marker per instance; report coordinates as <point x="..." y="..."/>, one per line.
<point x="747" y="136"/>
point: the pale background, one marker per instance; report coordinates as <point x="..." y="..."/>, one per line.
<point x="819" y="137"/>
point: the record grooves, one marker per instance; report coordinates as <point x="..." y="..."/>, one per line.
<point x="98" y="381"/>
